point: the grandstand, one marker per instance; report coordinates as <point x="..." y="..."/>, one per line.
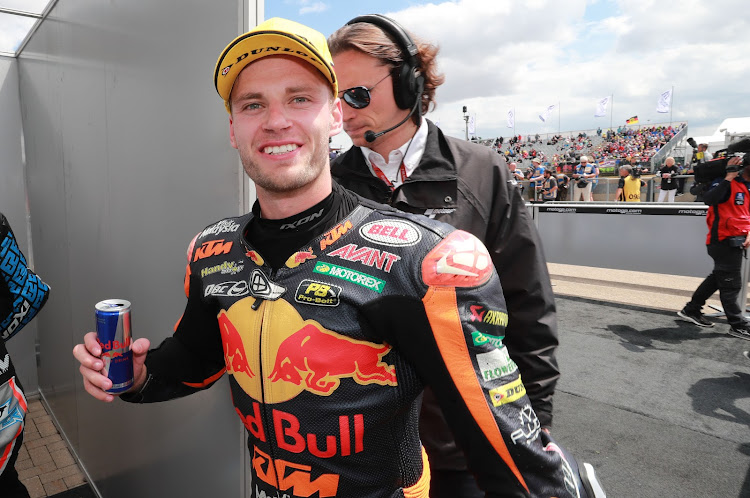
<point x="646" y="144"/>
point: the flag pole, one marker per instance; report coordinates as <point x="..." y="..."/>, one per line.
<point x="611" y="110"/>
<point x="558" y="117"/>
<point x="671" y="100"/>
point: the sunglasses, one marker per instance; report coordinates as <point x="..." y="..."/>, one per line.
<point x="358" y="97"/>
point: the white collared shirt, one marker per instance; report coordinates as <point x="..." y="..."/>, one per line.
<point x="414" y="150"/>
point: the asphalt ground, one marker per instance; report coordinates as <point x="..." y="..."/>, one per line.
<point x="659" y="406"/>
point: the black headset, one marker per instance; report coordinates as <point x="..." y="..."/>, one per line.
<point x="408" y="83"/>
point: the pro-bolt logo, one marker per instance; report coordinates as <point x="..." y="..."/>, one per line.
<point x="317" y="293"/>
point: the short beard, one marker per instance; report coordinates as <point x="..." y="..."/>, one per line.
<point x="273" y="183"/>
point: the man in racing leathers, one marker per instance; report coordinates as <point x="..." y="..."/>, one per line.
<point x="22" y="295"/>
<point x="330" y="313"/>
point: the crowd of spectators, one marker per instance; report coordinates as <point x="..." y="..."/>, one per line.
<point x="610" y="148"/>
<point x="640" y="144"/>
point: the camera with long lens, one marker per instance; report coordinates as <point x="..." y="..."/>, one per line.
<point x="719" y="166"/>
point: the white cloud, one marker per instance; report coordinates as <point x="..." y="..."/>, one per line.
<point x="498" y="54"/>
<point x="308" y="7"/>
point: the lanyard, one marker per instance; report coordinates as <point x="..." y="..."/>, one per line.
<point x="381" y="175"/>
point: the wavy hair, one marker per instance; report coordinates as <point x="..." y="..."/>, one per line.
<point x="373" y="41"/>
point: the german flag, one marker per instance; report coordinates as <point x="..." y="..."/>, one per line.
<point x="633" y="120"/>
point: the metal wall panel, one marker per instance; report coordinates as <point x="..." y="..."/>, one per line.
<point x="13" y="206"/>
<point x="670" y="242"/>
<point x="128" y="157"/>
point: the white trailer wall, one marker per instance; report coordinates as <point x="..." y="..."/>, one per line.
<point x="127" y="159"/>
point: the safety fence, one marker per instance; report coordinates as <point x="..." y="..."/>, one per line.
<point x="604" y="189"/>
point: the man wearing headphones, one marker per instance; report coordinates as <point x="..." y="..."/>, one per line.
<point x="388" y="81"/>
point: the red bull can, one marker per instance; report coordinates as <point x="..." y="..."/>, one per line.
<point x="113" y="336"/>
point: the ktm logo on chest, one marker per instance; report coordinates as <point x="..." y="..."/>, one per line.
<point x="212" y="248"/>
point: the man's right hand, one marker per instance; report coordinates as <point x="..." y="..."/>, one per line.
<point x="94" y="381"/>
<point x="731" y="175"/>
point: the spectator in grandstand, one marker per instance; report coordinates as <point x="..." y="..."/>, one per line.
<point x="536" y="180"/>
<point x="668" y="183"/>
<point x="728" y="200"/>
<point x="456" y="182"/>
<point x="629" y="185"/>
<point x="583" y="175"/>
<point x="549" y="186"/>
<point x="563" y="186"/>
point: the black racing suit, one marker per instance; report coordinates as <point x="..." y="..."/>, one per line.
<point x="22" y="295"/>
<point x="328" y="353"/>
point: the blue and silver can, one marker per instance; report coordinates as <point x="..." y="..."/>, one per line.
<point x="113" y="336"/>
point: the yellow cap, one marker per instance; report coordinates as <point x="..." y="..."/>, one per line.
<point x="275" y="36"/>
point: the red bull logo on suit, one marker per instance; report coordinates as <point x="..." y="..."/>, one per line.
<point x="304" y="356"/>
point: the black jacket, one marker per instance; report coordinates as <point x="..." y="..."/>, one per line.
<point x="469" y="186"/>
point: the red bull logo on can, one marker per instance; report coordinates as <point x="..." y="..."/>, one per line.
<point x="294" y="354"/>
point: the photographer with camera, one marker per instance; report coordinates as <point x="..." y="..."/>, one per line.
<point x="549" y="186"/>
<point x="668" y="183"/>
<point x="629" y="185"/>
<point x="563" y="185"/>
<point x="728" y="237"/>
<point x="584" y="174"/>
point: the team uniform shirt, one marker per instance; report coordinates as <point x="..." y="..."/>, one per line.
<point x="328" y="353"/>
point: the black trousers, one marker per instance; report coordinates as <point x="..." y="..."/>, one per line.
<point x="454" y="484"/>
<point x="10" y="486"/>
<point x="726" y="278"/>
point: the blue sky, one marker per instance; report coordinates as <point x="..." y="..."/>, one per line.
<point x="328" y="15"/>
<point x="526" y="55"/>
